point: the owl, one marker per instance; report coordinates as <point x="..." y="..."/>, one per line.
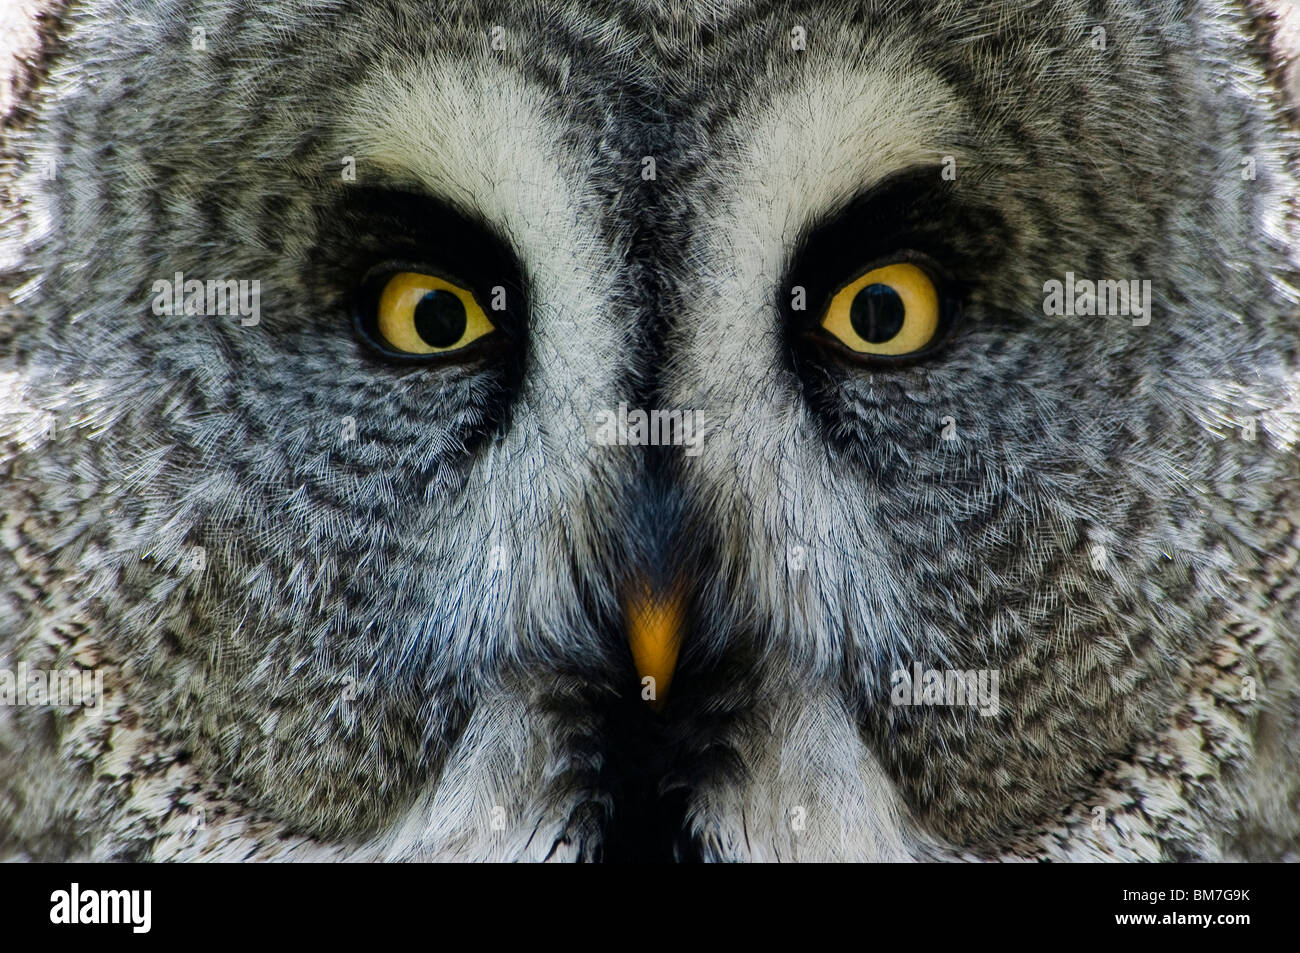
<point x="728" y="430"/>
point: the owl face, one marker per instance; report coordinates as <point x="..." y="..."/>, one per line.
<point x="634" y="425"/>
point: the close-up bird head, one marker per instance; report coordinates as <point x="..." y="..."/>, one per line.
<point x="637" y="431"/>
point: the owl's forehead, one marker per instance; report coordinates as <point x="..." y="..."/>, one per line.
<point x="804" y="108"/>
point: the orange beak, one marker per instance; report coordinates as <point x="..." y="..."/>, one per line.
<point x="655" y="622"/>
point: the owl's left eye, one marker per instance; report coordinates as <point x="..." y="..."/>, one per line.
<point x="891" y="311"/>
<point x="414" y="315"/>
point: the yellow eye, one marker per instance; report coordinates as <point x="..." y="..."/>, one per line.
<point x="422" y="314"/>
<point x="891" y="310"/>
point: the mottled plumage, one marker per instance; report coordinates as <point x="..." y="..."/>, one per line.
<point x="404" y="637"/>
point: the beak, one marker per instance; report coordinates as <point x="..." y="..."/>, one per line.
<point x="655" y="622"/>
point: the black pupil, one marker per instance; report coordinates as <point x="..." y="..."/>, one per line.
<point x="440" y="318"/>
<point x="877" y="313"/>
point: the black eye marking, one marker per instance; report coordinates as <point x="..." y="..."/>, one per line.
<point x="371" y="234"/>
<point x="915" y="217"/>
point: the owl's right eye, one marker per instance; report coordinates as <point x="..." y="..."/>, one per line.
<point x="413" y="315"/>
<point x="891" y="311"/>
